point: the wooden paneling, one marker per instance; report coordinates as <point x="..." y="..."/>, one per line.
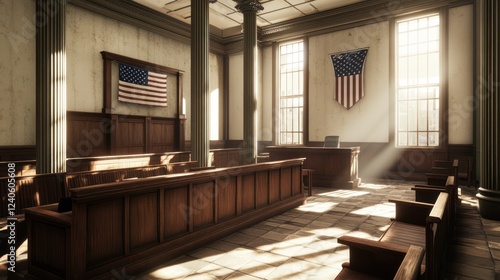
<point x="274" y="181"/>
<point x="53" y="258"/>
<point x="137" y="224"/>
<point x="286" y="183"/>
<point x="87" y="134"/>
<point x="143" y="220"/>
<point x="333" y="167"/>
<point x="105" y="231"/>
<point x="17" y="153"/>
<point x="202" y="206"/>
<point x="176" y="211"/>
<point x="247" y="192"/>
<point x="161" y="136"/>
<point x="226" y="157"/>
<point x="130" y="136"/>
<point x="95" y="134"/>
<point x="32" y="190"/>
<point x="297" y="180"/>
<point x="261" y="189"/>
<point x="226" y="198"/>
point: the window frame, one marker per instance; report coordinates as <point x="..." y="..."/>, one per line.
<point x="443" y="81"/>
<point x="277" y="95"/>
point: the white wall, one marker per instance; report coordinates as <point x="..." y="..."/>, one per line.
<point x="235" y="96"/>
<point x="460" y="65"/>
<point x="368" y="120"/>
<point x="88" y="34"/>
<point x="266" y="107"/>
<point x="17" y="72"/>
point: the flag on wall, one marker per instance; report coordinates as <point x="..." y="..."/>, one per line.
<point x="140" y="86"/>
<point x="348" y="67"/>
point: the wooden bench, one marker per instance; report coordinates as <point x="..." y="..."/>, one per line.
<point x="429" y="194"/>
<point x="370" y="259"/>
<point x="136" y="225"/>
<point x="30" y="190"/>
<point x="89" y="178"/>
<point x="440" y="172"/>
<point x="415" y="223"/>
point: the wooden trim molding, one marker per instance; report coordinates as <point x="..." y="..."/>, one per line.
<point x="110" y="57"/>
<point x="324" y="22"/>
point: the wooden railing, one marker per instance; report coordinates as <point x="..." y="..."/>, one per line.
<point x="134" y="225"/>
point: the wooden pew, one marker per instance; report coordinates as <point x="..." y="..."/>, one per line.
<point x="370" y="259"/>
<point x="89" y="178"/>
<point x="441" y="171"/>
<point x="415" y="223"/>
<point x="22" y="167"/>
<point x="135" y="225"/>
<point x="29" y="191"/>
<point x="429" y="194"/>
<point x="32" y="190"/>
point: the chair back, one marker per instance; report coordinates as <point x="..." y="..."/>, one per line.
<point x="332" y="141"/>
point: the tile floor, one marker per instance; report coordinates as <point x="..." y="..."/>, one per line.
<point x="302" y="243"/>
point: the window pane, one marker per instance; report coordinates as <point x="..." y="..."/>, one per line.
<point x="433" y="138"/>
<point x="417" y="81"/>
<point x="291" y="90"/>
<point x="422" y="115"/>
<point x="412" y="115"/>
<point x="412" y="139"/>
<point x="403" y="139"/>
<point x="422" y="138"/>
<point x="403" y="116"/>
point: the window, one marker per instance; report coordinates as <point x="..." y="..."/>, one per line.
<point x="291" y="93"/>
<point x="418" y="81"/>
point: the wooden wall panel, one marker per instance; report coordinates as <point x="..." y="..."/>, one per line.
<point x="226" y="198"/>
<point x="130" y="136"/>
<point x="274" y="183"/>
<point x="161" y="136"/>
<point x="87" y="135"/>
<point x="176" y="211"/>
<point x="106" y="231"/>
<point x="285" y="184"/>
<point x="143" y="220"/>
<point x="261" y="189"/>
<point x="247" y="192"/>
<point x="203" y="205"/>
<point x="46" y="255"/>
<point x="297" y="180"/>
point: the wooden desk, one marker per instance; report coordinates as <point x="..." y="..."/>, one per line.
<point x="333" y="167"/>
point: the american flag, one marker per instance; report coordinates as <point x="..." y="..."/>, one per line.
<point x="136" y="85"/>
<point x="348" y="67"/>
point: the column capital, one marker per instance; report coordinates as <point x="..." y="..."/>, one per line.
<point x="248" y="6"/>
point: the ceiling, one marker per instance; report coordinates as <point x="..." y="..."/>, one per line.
<point x="223" y="14"/>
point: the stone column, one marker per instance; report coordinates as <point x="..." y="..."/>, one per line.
<point x="50" y="86"/>
<point x="249" y="8"/>
<point x="489" y="111"/>
<point x="200" y="32"/>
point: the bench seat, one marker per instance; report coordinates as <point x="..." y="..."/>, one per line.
<point x="415" y="224"/>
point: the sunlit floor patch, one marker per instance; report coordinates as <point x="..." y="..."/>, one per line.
<point x="318" y="207"/>
<point x="344" y="193"/>
<point x="380" y="210"/>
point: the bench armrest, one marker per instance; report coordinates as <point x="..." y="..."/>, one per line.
<point x="410" y="268"/>
<point x="411" y="212"/>
<point x="371" y="257"/>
